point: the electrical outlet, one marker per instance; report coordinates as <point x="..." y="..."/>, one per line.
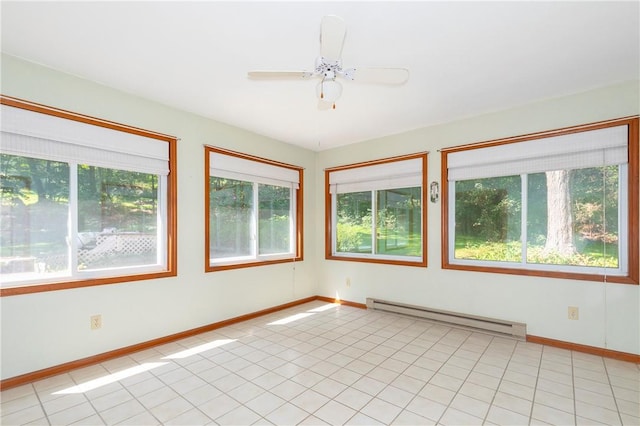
<point x="573" y="312"/>
<point x="348" y="282"/>
<point x="96" y="322"/>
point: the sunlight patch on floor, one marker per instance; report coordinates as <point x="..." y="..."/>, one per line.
<point x="296" y="317"/>
<point x="110" y="378"/>
<point x="292" y="318"/>
<point x="199" y="349"/>
<point x="324" y="307"/>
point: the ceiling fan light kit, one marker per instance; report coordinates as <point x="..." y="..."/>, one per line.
<point x="329" y="90"/>
<point x="328" y="67"/>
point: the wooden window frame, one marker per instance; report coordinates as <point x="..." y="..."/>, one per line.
<point x="633" y="273"/>
<point x="299" y="222"/>
<point x="372" y="259"/>
<point x="171" y="195"/>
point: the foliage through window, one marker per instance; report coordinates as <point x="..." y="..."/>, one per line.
<point x="253" y="211"/>
<point x="378" y="211"/>
<point x="568" y="212"/>
<point x="81" y="204"/>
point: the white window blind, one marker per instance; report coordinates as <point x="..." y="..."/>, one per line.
<point x="233" y="167"/>
<point x="32" y="134"/>
<point x="594" y="148"/>
<point x="396" y="174"/>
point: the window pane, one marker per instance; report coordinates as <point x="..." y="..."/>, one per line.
<point x="488" y="223"/>
<point x="353" y="230"/>
<point x="573" y="217"/>
<point x="117" y="218"/>
<point x="230" y="215"/>
<point x="399" y="222"/>
<point x="34" y="209"/>
<point x="274" y="212"/>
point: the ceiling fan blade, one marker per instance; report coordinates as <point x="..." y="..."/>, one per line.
<point x="380" y="75"/>
<point x="333" y="30"/>
<point x="278" y="75"/>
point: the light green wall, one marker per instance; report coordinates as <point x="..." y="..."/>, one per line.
<point x="46" y="329"/>
<point x="609" y="314"/>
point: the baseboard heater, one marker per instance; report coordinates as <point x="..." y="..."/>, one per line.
<point x="513" y="329"/>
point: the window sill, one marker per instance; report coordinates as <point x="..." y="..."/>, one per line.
<point x="385" y="261"/>
<point x="238" y="265"/>
<point x="617" y="279"/>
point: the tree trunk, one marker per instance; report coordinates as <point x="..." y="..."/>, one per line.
<point x="559" y="220"/>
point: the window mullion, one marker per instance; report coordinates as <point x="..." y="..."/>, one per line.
<point x="293" y="219"/>
<point x="524" y="197"/>
<point x="72" y="222"/>
<point x="623" y="219"/>
<point x="334" y="221"/>
<point x="451" y="200"/>
<point x="374" y="222"/>
<point x="255" y="252"/>
<point x="161" y="222"/>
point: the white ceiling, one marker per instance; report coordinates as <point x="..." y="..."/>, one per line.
<point x="464" y="58"/>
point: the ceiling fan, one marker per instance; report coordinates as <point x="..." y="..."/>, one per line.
<point x="328" y="67"/>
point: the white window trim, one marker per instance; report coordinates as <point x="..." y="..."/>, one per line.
<point x="623" y="261"/>
<point x="373" y="255"/>
<point x="36" y="131"/>
<point x="233" y="165"/>
<point x="74" y="274"/>
<point x="255" y="243"/>
<point x="395" y="173"/>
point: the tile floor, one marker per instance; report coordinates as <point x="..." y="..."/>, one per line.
<point x="321" y="363"/>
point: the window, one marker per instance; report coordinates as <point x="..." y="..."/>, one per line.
<point x="376" y="211"/>
<point x="83" y="201"/>
<point x="253" y="211"/>
<point x="561" y="204"/>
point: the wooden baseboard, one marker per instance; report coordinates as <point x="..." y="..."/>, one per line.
<point x="96" y="359"/>
<point x="606" y="353"/>
<point x="342" y="302"/>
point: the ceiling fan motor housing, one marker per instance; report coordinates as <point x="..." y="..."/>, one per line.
<point x="328" y="69"/>
<point x="328" y="66"/>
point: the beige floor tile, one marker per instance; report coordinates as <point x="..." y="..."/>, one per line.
<point x="340" y="365"/>
<point x="363" y="420"/>
<point x="470" y="406"/>
<point x="426" y="408"/>
<point x="513" y="403"/>
<point x="596" y="413"/>
<point x="72" y="415"/>
<point x="12" y="403"/>
<point x="124" y="411"/>
<point x="192" y="416"/>
<point x="265" y="403"/>
<point x="409" y="418"/>
<point x="396" y="396"/>
<point x="24" y="416"/>
<point x="477" y="392"/>
<point x="311" y="400"/>
<point x="171" y="409"/>
<point x="554" y="401"/>
<point x="455" y="417"/>
<point x="381" y="410"/>
<point x="437" y="394"/>
<point x="551" y="415"/>
<point x="288" y="389"/>
<point x="218" y="406"/>
<point x="502" y="416"/>
<point x="334" y="413"/>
